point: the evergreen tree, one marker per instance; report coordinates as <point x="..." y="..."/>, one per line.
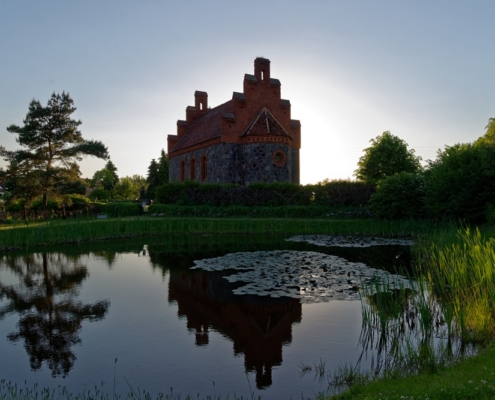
<point x="113" y="169"/>
<point x="163" y="167"/>
<point x="51" y="144"/>
<point x="153" y="178"/>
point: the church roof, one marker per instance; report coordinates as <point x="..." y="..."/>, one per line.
<point x="264" y="123"/>
<point x="206" y="127"/>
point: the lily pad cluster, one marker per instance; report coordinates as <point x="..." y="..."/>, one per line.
<point x="306" y="275"/>
<point x="349" y="241"/>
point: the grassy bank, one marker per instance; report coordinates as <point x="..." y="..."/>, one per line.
<point x="471" y="378"/>
<point x="25" y="236"/>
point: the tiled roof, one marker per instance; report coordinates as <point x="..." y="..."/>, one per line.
<point x="275" y="82"/>
<point x="208" y="126"/>
<point x="265" y="124"/>
<point x="250" y="77"/>
<point x="285" y="102"/>
<point x="240" y="96"/>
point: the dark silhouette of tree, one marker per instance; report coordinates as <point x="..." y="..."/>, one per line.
<point x="51" y="144"/>
<point x="153" y="178"/>
<point x="163" y="167"/>
<point x="50" y="318"/>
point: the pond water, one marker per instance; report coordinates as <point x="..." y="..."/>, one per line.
<point x="138" y="315"/>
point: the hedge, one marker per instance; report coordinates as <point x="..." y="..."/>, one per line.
<point x="339" y="193"/>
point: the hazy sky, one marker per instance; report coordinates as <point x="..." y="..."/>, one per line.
<point x="425" y="70"/>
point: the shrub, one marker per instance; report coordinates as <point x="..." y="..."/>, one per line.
<point x="399" y="197"/>
<point x="121" y="209"/>
<point x="333" y="194"/>
<point x="460" y="183"/>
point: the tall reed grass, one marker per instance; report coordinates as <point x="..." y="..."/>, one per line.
<point x="24" y="236"/>
<point x="461" y="275"/>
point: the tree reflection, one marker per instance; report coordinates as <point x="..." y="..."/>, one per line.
<point x="50" y="316"/>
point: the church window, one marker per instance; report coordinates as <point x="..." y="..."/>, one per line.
<point x="204" y="167"/>
<point x="193" y="169"/>
<point x="182" y="170"/>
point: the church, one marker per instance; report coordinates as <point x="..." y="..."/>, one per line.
<point x="249" y="139"/>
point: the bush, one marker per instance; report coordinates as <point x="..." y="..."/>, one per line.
<point x="99" y="195"/>
<point x="490" y="214"/>
<point x="460" y="183"/>
<point x="331" y="194"/>
<point x="399" y="197"/>
<point x="121" y="209"/>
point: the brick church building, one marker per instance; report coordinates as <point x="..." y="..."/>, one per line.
<point x="250" y="138"/>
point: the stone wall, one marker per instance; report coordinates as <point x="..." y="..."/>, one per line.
<point x="240" y="164"/>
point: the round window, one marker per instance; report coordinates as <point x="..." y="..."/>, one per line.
<point x="279" y="158"/>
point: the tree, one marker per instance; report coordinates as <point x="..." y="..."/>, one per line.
<point x="460" y="183"/>
<point x="103" y="179"/>
<point x="129" y="187"/>
<point x="113" y="170"/>
<point x="153" y="178"/>
<point x="163" y="167"/>
<point x="52" y="145"/>
<point x="388" y="155"/>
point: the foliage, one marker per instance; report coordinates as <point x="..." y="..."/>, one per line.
<point x="129" y="188"/>
<point x="170" y="210"/>
<point x="399" y="197"/>
<point x="152" y="179"/>
<point x="110" y="166"/>
<point x="490" y="214"/>
<point x="52" y="145"/>
<point x="103" y="179"/>
<point x="332" y="194"/>
<point x="121" y="209"/>
<point x="163" y="167"/>
<point x="99" y="194"/>
<point x="157" y="174"/>
<point x="388" y="155"/>
<point x="461" y="181"/>
<point x="335" y="193"/>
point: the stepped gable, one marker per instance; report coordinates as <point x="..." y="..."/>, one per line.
<point x="207" y="127"/>
<point x="265" y="124"/>
<point x="250" y="138"/>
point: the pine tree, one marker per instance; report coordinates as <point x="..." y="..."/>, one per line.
<point x="51" y="144"/>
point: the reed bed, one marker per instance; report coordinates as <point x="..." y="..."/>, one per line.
<point x="25" y="236"/>
<point x="461" y="275"/>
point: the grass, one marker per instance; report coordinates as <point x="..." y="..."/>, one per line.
<point x="470" y="378"/>
<point x="28" y="236"/>
<point x="454" y="297"/>
<point x="10" y="391"/>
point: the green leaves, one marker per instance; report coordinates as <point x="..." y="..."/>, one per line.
<point x="387" y="156"/>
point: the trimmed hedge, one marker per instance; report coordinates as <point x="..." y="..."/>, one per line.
<point x="334" y="194"/>
<point x="169" y="210"/>
<point x="121" y="209"/>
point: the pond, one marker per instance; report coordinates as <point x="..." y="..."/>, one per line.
<point x="207" y="315"/>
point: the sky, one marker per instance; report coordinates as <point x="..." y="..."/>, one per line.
<point x="352" y="69"/>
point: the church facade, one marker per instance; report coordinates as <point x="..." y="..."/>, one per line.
<point x="249" y="139"/>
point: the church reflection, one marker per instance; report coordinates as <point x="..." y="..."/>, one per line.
<point x="50" y="317"/>
<point x="258" y="326"/>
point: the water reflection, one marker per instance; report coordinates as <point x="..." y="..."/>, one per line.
<point x="43" y="289"/>
<point x="257" y="326"/>
<point x="49" y="316"/>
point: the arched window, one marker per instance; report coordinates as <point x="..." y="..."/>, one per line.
<point x="193" y="168"/>
<point x="182" y="170"/>
<point x="204" y="167"/>
<point x="262" y="75"/>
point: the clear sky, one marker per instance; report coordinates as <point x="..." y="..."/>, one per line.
<point x="423" y="69"/>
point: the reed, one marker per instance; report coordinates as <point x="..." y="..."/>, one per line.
<point x="24" y="236"/>
<point x="462" y="277"/>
